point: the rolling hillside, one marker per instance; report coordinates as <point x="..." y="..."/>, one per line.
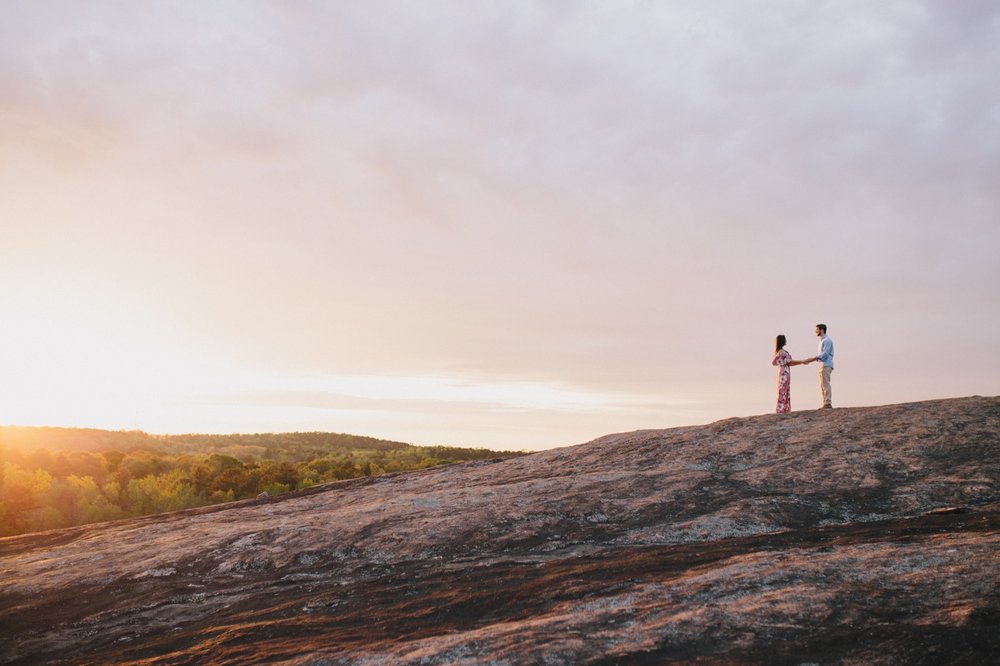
<point x="865" y="535"/>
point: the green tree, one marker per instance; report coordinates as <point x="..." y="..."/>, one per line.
<point x="156" y="494"/>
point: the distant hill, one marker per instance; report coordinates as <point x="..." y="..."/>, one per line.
<point x="61" y="477"/>
<point x="72" y="439"/>
<point x="860" y="535"/>
<point x="91" y="439"/>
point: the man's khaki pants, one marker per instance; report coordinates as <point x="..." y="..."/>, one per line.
<point x="824" y="385"/>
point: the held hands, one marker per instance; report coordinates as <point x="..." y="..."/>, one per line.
<point x="805" y="361"/>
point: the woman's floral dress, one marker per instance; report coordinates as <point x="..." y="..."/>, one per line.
<point x="782" y="359"/>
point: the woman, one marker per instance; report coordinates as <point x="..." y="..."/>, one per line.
<point x="784" y="361"/>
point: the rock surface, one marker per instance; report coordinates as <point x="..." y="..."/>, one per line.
<point x="868" y="535"/>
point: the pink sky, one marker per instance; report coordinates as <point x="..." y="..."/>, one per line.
<point x="515" y="225"/>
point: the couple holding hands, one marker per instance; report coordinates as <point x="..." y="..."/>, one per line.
<point x="784" y="361"/>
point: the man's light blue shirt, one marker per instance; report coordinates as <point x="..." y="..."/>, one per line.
<point x="825" y="352"/>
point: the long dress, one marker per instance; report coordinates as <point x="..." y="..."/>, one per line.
<point x="782" y="359"/>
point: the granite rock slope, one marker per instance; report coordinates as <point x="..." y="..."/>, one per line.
<point x="867" y="535"/>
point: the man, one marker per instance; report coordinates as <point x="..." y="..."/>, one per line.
<point x="825" y="354"/>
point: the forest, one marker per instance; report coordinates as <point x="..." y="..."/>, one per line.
<point x="60" y="477"/>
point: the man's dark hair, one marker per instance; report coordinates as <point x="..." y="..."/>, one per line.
<point x="821" y="327"/>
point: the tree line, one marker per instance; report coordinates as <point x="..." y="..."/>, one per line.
<point x="86" y="476"/>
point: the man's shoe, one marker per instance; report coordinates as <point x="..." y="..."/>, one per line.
<point x="827" y="407"/>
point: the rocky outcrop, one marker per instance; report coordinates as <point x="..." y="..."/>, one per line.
<point x="840" y="536"/>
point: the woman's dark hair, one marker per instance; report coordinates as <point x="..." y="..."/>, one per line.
<point x="779" y="343"/>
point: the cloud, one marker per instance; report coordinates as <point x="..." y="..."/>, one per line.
<point x="597" y="193"/>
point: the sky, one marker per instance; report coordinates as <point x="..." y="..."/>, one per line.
<point x="517" y="225"/>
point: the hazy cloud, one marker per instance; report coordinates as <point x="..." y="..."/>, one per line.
<point x="621" y="196"/>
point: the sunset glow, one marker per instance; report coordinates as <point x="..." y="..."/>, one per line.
<point x="522" y="225"/>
